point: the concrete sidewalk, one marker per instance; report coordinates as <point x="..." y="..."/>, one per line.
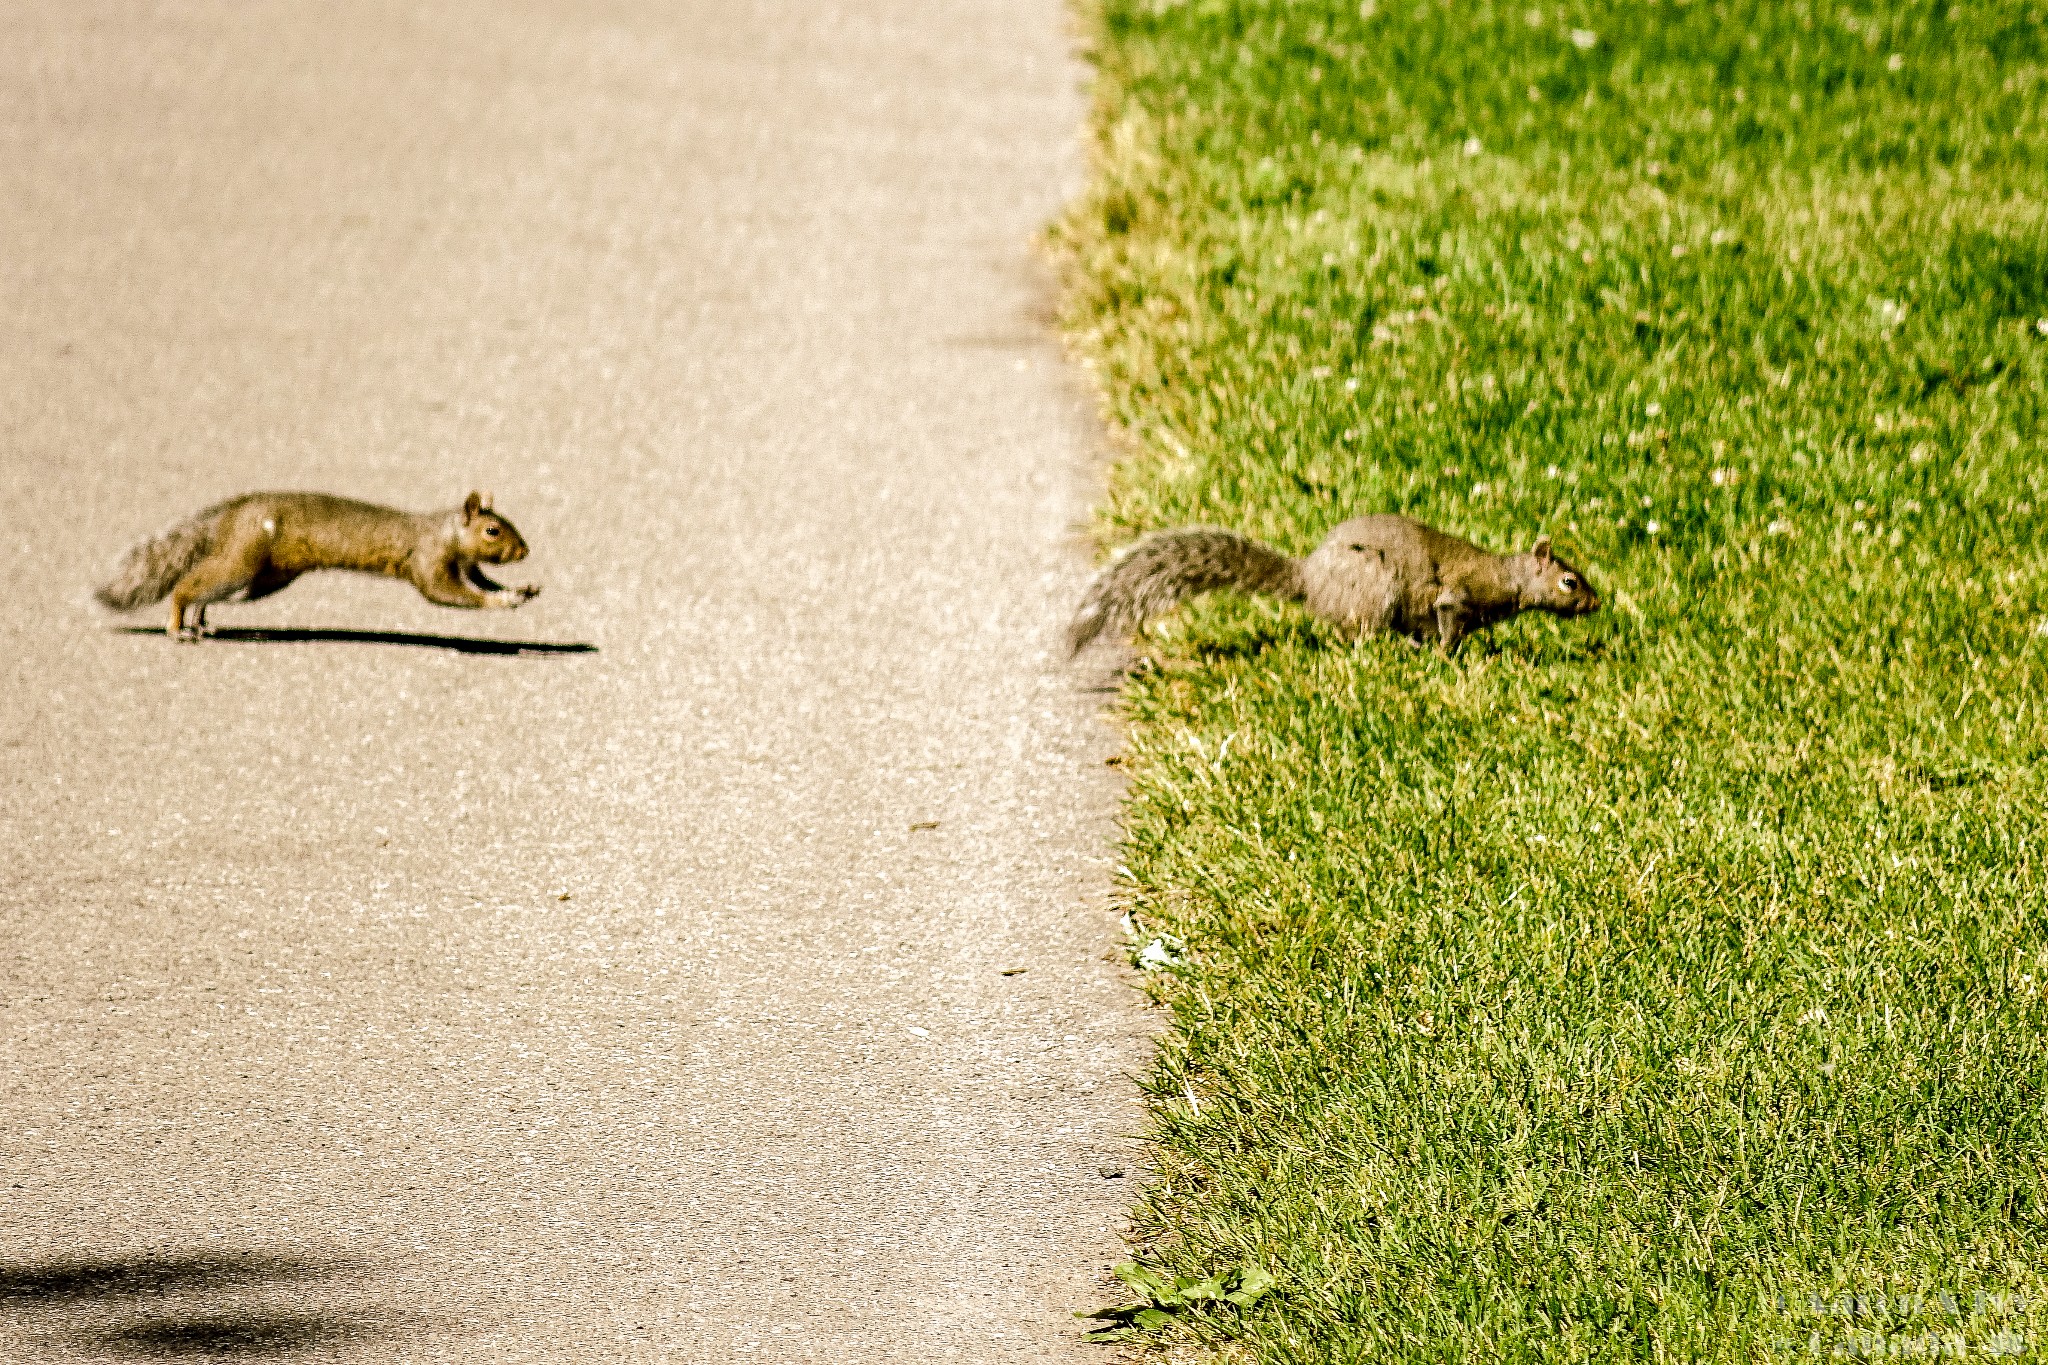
<point x="391" y="999"/>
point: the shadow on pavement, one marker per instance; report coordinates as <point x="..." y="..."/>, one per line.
<point x="254" y="1332"/>
<point x="461" y="644"/>
<point x="183" y="1307"/>
<point x="55" y="1282"/>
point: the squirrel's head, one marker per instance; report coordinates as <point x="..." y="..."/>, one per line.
<point x="487" y="537"/>
<point x="1555" y="586"/>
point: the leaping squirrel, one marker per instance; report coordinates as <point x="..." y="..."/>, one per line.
<point x="1371" y="575"/>
<point x="255" y="545"/>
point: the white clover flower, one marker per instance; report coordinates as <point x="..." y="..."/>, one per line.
<point x="1653" y="527"/>
<point x="1584" y="38"/>
<point x="1156" y="955"/>
<point x="1779" y="528"/>
<point x="1473" y="146"/>
<point x="2042" y="327"/>
<point x="1655" y="410"/>
<point x="1895" y="62"/>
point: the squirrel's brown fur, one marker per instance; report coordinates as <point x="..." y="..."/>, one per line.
<point x="1371" y="575"/>
<point x="255" y="545"/>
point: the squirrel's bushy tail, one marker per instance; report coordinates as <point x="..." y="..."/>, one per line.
<point x="1167" y="568"/>
<point x="148" y="572"/>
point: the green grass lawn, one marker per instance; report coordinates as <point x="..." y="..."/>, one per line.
<point x="1639" y="987"/>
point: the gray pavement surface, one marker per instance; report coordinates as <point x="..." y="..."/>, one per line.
<point x="377" y="997"/>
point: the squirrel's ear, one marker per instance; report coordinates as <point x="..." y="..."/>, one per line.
<point x="1541" y="550"/>
<point x="477" y="502"/>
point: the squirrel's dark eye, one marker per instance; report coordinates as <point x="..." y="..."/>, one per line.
<point x="1359" y="548"/>
<point x="1568" y="584"/>
<point x="490" y="533"/>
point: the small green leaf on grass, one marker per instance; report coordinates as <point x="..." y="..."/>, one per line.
<point x="1150" y="1283"/>
<point x="1252" y="1284"/>
<point x="1163" y="1295"/>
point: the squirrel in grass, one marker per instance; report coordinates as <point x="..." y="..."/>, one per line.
<point x="255" y="545"/>
<point x="1372" y="575"/>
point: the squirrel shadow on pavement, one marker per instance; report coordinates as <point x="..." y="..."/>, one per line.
<point x="460" y="644"/>
<point x="184" y="1307"/>
<point x="215" y="1336"/>
<point x="55" y="1283"/>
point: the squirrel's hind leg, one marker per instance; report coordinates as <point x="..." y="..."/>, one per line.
<point x="188" y="619"/>
<point x="206" y="583"/>
<point x="1375" y="612"/>
<point x="188" y="622"/>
